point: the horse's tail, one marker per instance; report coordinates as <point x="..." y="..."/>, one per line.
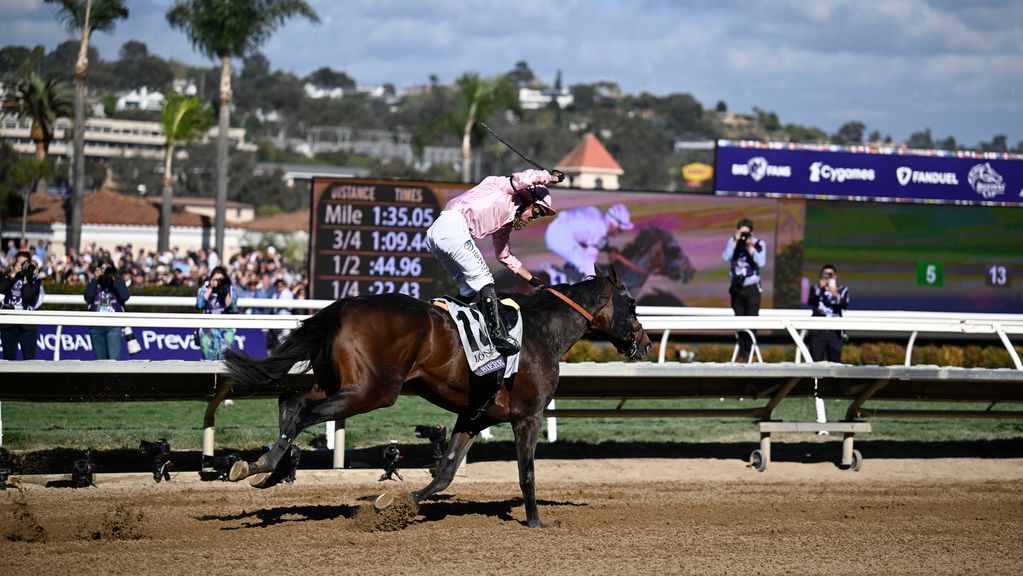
<point x="310" y="341"/>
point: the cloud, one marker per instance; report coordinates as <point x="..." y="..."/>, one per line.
<point x="898" y="66"/>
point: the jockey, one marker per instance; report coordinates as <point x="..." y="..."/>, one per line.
<point x="579" y="234"/>
<point x="494" y="207"/>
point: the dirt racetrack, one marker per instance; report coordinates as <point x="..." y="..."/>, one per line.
<point x="628" y="516"/>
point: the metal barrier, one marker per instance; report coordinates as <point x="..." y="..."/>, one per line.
<point x="859" y="383"/>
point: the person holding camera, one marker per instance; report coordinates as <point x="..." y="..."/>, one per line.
<point x="20" y="289"/>
<point x="106" y="292"/>
<point x="216" y="296"/>
<point x="828" y="299"/>
<point x="746" y="256"/>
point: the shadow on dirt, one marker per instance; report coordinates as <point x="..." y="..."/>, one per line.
<point x="282" y="515"/>
<point x="60" y="460"/>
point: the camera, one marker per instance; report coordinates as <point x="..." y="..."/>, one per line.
<point x="744" y="237"/>
<point x="130" y="341"/>
<point x="828" y="275"/>
<point x="438" y="437"/>
<point x="28" y="269"/>
<point x="159" y="452"/>
<point x="82" y="471"/>
<point x="5" y="468"/>
<point x="391" y="456"/>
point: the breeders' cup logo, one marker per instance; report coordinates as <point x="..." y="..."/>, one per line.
<point x="907" y="175"/>
<point x="757" y="168"/>
<point x="985" y="181"/>
<point x="821" y="171"/>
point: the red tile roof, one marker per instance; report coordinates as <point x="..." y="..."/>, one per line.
<point x="284" y="222"/>
<point x="589" y="154"/>
<point x="107" y="207"/>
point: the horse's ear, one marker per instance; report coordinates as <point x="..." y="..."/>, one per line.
<point x="598" y="273"/>
<point x="613" y="276"/>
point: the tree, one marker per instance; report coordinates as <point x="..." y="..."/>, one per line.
<point x="184" y="119"/>
<point x="921" y="140"/>
<point x="327" y="78"/>
<point x="721" y="106"/>
<point x="479" y="99"/>
<point x="84" y="16"/>
<point x="133" y="51"/>
<point x="225" y="29"/>
<point x="850" y="133"/>
<point x="42" y="101"/>
<point x="26" y="175"/>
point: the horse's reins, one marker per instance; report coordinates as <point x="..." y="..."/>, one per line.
<point x="629" y="263"/>
<point x="570" y="302"/>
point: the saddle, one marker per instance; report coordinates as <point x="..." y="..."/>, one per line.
<point x="483" y="359"/>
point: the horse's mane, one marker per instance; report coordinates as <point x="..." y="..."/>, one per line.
<point x="585" y="293"/>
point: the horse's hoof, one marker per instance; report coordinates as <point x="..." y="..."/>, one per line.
<point x="239" y="471"/>
<point x="260" y="480"/>
<point x="538" y="524"/>
<point x="383" y="501"/>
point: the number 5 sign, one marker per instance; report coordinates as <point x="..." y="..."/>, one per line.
<point x="930" y="273"/>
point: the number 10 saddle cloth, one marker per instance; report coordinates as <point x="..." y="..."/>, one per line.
<point x="483" y="358"/>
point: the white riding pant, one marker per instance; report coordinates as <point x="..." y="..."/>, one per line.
<point x="452" y="244"/>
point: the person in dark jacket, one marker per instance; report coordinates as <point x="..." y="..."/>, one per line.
<point x="828" y="299"/>
<point x="106" y="293"/>
<point x="20" y="289"/>
<point x="216" y="296"/>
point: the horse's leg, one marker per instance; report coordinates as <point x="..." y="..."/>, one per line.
<point x="527" y="433"/>
<point x="291" y="407"/>
<point x="298" y="412"/>
<point x="461" y="440"/>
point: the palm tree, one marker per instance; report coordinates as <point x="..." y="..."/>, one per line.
<point x="83" y="16"/>
<point x="184" y="119"/>
<point x="225" y="29"/>
<point x="26" y="175"/>
<point x="42" y="101"/>
<point x="480" y="98"/>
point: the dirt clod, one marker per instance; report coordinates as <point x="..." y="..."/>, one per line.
<point x="397" y="516"/>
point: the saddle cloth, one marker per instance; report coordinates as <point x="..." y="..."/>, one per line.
<point x="479" y="351"/>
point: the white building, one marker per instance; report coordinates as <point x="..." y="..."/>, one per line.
<point x="140" y="99"/>
<point x="107" y="138"/>
<point x="531" y="99"/>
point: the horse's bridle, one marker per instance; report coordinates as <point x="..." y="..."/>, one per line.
<point x="570" y="302"/>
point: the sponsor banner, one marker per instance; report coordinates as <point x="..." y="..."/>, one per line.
<point x="156" y="343"/>
<point x="842" y="174"/>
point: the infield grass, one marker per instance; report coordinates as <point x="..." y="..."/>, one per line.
<point x="253" y="423"/>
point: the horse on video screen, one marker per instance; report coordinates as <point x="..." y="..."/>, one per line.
<point x="653" y="251"/>
<point x="364" y="351"/>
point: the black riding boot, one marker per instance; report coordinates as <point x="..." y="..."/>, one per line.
<point x="505" y="344"/>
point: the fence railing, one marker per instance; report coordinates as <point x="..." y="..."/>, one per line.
<point x="663" y="320"/>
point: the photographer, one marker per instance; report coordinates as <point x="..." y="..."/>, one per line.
<point x="746" y="256"/>
<point x="20" y="289"/>
<point x="216" y="296"/>
<point x="106" y="293"/>
<point x="828" y="299"/>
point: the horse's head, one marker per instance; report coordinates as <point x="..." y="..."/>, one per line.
<point x="616" y="318"/>
<point x="659" y="252"/>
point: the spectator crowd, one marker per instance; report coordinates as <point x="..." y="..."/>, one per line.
<point x="255" y="272"/>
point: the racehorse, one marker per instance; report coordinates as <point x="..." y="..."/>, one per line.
<point x="653" y="251"/>
<point x="365" y="350"/>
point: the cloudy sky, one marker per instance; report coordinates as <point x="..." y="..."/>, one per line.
<point x="898" y="66"/>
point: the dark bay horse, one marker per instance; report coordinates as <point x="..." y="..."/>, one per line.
<point x="364" y="351"/>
